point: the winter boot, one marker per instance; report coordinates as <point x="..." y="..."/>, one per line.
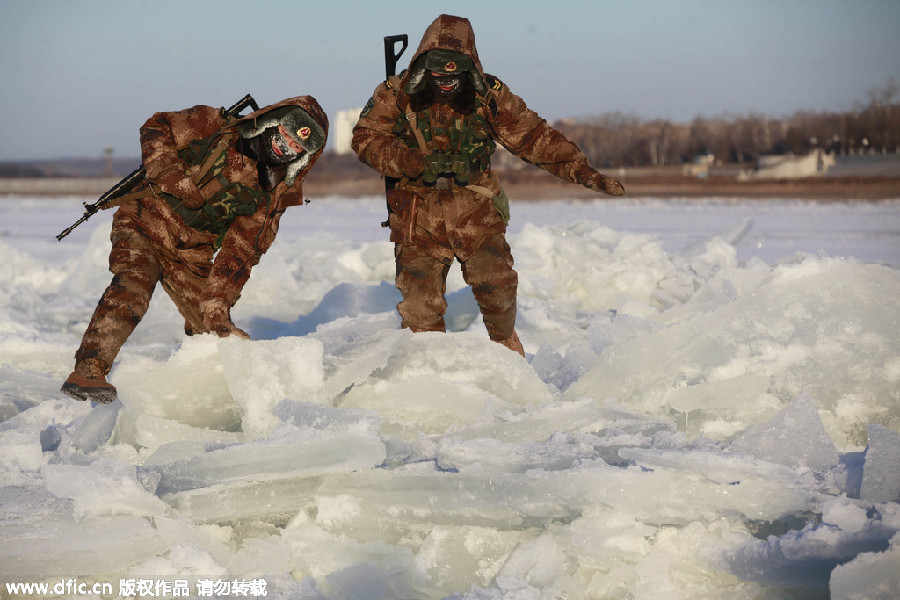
<point x="88" y="382"/>
<point x="513" y="343"/>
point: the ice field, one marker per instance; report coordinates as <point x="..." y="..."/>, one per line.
<point x="709" y="409"/>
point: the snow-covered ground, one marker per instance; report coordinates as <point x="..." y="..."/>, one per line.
<point x="710" y="408"/>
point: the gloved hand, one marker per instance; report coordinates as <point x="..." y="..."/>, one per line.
<point x="216" y="317"/>
<point x="607" y="185"/>
<point x="174" y="181"/>
<point x="411" y="163"/>
<point x="599" y="182"/>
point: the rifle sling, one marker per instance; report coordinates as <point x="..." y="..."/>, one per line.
<point x="413" y="124"/>
<point x="212" y="156"/>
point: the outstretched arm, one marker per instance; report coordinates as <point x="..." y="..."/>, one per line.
<point x="246" y="240"/>
<point x="524" y="133"/>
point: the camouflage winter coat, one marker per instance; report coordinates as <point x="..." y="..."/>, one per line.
<point x="478" y="209"/>
<point x="226" y="237"/>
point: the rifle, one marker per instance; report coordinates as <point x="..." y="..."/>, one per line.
<point x="390" y="69"/>
<point x="130" y="181"/>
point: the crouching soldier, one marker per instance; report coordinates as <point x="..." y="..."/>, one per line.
<point x="208" y="209"/>
<point x="434" y="128"/>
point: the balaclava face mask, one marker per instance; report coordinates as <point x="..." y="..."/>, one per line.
<point x="283" y="140"/>
<point x="445" y="87"/>
<point x="444" y="62"/>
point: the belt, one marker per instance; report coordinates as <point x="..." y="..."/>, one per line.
<point x="447" y="183"/>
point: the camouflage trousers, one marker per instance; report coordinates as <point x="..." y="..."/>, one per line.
<point x="422" y="281"/>
<point x="137" y="265"/>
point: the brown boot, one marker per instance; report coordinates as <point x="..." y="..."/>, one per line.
<point x="88" y="382"/>
<point x="513" y="343"/>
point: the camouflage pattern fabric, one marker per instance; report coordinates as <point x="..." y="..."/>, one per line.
<point x="202" y="269"/>
<point x="458" y="222"/>
<point x="421" y="279"/>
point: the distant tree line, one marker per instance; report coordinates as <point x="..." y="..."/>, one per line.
<point x="625" y="140"/>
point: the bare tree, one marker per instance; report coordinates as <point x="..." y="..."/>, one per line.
<point x="625" y="140"/>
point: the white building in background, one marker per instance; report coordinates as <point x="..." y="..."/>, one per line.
<point x="343" y="129"/>
<point x="817" y="162"/>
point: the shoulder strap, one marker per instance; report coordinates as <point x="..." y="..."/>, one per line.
<point x="480" y="189"/>
<point x="212" y="156"/>
<point x="414" y="125"/>
<point x="403" y="104"/>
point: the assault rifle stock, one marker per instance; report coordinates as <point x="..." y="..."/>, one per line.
<point x="391" y="56"/>
<point x="130" y="181"/>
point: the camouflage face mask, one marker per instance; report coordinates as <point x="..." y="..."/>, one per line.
<point x="296" y="123"/>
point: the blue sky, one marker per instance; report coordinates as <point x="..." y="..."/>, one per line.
<point x="77" y="76"/>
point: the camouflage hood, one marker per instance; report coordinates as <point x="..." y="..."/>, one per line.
<point x="303" y="119"/>
<point x="453" y="42"/>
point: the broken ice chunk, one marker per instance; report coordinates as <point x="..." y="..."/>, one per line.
<point x="105" y="487"/>
<point x="92" y="430"/>
<point x="276" y="501"/>
<point x="260" y="374"/>
<point x="794" y="437"/>
<point x="269" y="461"/>
<point x="41" y="538"/>
<point x="327" y="419"/>
<point x="881" y="472"/>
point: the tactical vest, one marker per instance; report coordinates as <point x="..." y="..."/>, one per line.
<point x="229" y="199"/>
<point x="469" y="135"/>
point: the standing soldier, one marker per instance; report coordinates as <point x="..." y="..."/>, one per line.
<point x="209" y="207"/>
<point x="434" y="128"/>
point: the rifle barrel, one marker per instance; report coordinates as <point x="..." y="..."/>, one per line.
<point x="129" y="181"/>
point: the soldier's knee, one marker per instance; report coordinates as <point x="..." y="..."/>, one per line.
<point x="422" y="316"/>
